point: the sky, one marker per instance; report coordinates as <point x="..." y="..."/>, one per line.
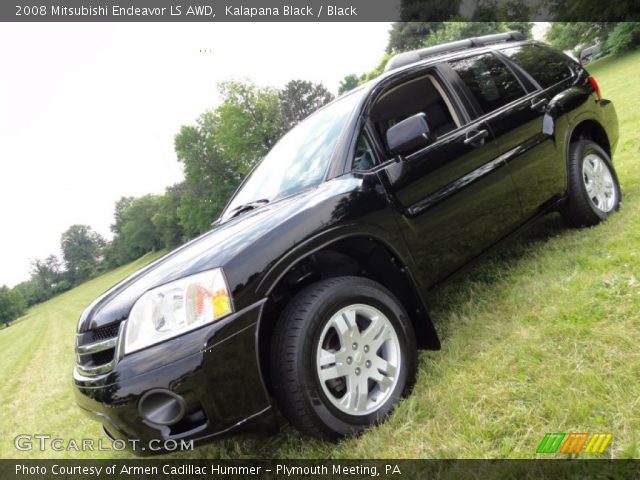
<point x="88" y="112"/>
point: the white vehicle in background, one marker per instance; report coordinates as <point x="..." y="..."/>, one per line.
<point x="591" y="53"/>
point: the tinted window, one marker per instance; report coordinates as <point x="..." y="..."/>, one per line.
<point x="490" y="81"/>
<point x="418" y="95"/>
<point x="546" y="66"/>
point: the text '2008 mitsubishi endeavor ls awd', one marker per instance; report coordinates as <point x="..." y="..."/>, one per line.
<point x="308" y="292"/>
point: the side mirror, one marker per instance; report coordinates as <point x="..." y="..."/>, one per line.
<point x="408" y="135"/>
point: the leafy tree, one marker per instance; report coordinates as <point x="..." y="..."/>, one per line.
<point x="222" y="147"/>
<point x="511" y="12"/>
<point x="428" y="10"/>
<point x="118" y="215"/>
<point x="593" y="10"/>
<point x="459" y="30"/>
<point x="623" y="37"/>
<point x="134" y="230"/>
<point x="115" y="252"/>
<point x="453" y="31"/>
<point x="166" y="219"/>
<point x="196" y="212"/>
<point x="376" y="71"/>
<point x="12" y="304"/>
<point x="139" y="234"/>
<point x="249" y="123"/>
<point x="300" y="98"/>
<point x="616" y="37"/>
<point x="47" y="276"/>
<point x="525" y="28"/>
<point x="209" y="178"/>
<point x="29" y="292"/>
<point x="572" y="35"/>
<point x="348" y="83"/>
<point x="405" y="36"/>
<point x="81" y="251"/>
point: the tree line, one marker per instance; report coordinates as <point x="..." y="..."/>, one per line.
<point x="614" y="37"/>
<point x="216" y="153"/>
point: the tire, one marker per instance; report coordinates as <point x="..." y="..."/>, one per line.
<point x="316" y="340"/>
<point x="594" y="191"/>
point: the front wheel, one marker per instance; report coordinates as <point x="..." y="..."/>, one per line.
<point x="343" y="354"/>
<point x="594" y="191"/>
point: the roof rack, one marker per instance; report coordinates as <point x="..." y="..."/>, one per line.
<point x="407" y="58"/>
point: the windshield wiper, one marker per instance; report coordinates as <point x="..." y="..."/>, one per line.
<point x="248" y="206"/>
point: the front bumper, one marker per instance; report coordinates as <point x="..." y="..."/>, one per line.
<point x="213" y="369"/>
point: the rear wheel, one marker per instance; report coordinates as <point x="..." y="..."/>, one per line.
<point x="594" y="191"/>
<point x="343" y="354"/>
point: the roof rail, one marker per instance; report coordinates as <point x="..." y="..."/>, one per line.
<point x="407" y="58"/>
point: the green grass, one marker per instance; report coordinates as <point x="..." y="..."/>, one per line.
<point x="542" y="337"/>
<point x="35" y="371"/>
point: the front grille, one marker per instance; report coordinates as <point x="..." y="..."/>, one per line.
<point x="105" y="356"/>
<point x="103" y="333"/>
<point x="96" y="350"/>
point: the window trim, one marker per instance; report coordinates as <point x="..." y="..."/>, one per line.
<point x="478" y="110"/>
<point x="519" y="70"/>
<point x="483" y="117"/>
<point x="523" y="71"/>
<point x="447" y="90"/>
<point x="447" y="101"/>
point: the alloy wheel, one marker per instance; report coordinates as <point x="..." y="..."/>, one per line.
<point x="358" y="359"/>
<point x="599" y="183"/>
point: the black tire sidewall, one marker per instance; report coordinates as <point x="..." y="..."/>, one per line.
<point x="578" y="153"/>
<point x="333" y="300"/>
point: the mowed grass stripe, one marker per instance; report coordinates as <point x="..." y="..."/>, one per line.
<point x="39" y="354"/>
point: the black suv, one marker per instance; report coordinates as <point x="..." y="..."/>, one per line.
<point x="308" y="292"/>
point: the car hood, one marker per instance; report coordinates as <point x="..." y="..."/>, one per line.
<point x="212" y="249"/>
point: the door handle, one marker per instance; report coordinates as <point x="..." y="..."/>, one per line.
<point x="539" y="104"/>
<point x="475" y="137"/>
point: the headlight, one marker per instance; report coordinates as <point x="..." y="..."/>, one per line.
<point x="176" y="308"/>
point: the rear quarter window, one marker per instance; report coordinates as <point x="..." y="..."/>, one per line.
<point x="546" y="66"/>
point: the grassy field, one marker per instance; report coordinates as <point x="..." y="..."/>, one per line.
<point x="542" y="337"/>
<point x="35" y="371"/>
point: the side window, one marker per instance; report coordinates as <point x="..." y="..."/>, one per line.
<point x="545" y="65"/>
<point x="489" y="80"/>
<point x="364" y="159"/>
<point x="423" y="94"/>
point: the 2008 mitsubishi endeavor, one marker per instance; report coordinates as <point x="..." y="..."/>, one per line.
<point x="308" y="292"/>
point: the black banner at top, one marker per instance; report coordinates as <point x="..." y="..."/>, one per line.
<point x="316" y="10"/>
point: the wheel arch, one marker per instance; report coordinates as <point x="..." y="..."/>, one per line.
<point x="588" y="128"/>
<point x="357" y="254"/>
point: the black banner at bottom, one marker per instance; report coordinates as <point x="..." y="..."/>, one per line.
<point x="316" y="469"/>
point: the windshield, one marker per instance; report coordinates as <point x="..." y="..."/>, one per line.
<point x="300" y="159"/>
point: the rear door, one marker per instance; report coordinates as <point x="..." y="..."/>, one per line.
<point x="543" y="177"/>
<point x="514" y="109"/>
